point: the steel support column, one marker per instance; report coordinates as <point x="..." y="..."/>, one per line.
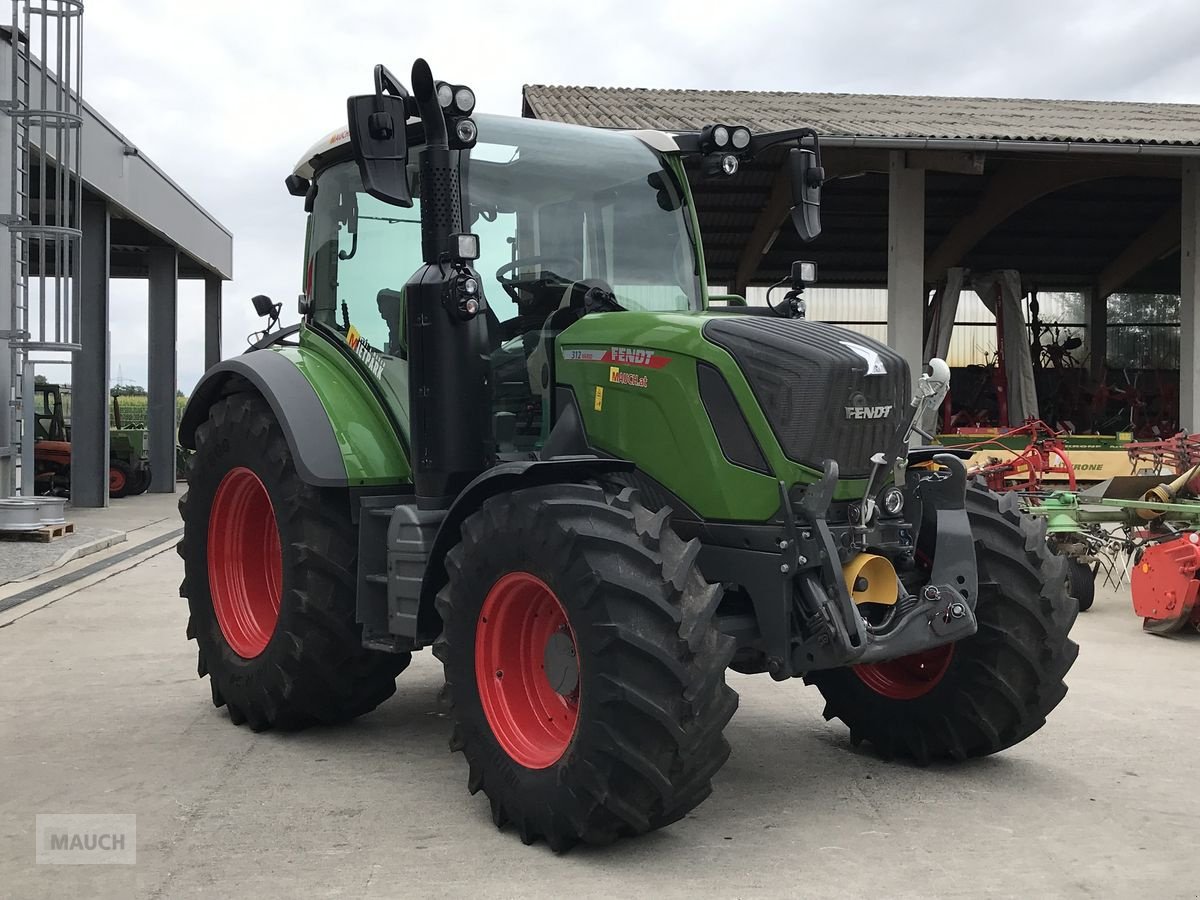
<point x="90" y="366"/>
<point x="906" y="261"/>
<point x="161" y="410"/>
<point x="212" y="320"/>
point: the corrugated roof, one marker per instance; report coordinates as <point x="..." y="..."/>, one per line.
<point x="873" y="115"/>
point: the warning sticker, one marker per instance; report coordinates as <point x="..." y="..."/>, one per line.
<point x="599" y="398"/>
<point x="629" y="356"/>
<point x="363" y="350"/>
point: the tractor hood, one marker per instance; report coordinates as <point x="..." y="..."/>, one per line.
<point x="781" y="396"/>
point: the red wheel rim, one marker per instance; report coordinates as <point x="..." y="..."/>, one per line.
<point x="245" y="564"/>
<point x="532" y="721"/>
<point x="116" y="480"/>
<point x="908" y="677"/>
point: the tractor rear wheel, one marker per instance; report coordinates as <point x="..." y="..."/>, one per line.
<point x="986" y="692"/>
<point x="586" y="676"/>
<point x="269" y="576"/>
<point x="141" y="480"/>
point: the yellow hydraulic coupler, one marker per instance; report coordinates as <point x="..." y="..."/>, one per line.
<point x="870" y="579"/>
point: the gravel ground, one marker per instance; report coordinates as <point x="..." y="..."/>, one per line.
<point x="21" y="558"/>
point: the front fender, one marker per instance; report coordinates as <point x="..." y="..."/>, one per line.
<point x="507" y="476"/>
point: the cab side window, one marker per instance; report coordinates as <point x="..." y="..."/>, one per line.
<point x="362" y="251"/>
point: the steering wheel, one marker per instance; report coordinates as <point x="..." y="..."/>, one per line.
<point x="527" y="291"/>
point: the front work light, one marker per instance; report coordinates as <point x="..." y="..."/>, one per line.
<point x="724" y="138"/>
<point x="464" y="100"/>
<point x="466" y="246"/>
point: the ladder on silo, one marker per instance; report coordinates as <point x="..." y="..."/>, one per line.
<point x="45" y="112"/>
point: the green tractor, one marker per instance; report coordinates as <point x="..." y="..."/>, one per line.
<point x="510" y="428"/>
<point x="128" y="453"/>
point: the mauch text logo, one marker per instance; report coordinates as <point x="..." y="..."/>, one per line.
<point x="860" y="409"/>
<point x="85" y="839"/>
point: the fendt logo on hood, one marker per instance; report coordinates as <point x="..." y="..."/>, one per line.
<point x="859" y="408"/>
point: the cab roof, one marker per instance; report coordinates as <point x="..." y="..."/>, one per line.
<point x="306" y="166"/>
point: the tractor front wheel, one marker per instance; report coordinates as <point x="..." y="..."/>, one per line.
<point x="986" y="692"/>
<point x="269" y="576"/>
<point x="1081" y="583"/>
<point x="120" y="478"/>
<point x="587" y="678"/>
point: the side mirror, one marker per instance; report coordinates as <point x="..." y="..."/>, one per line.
<point x="262" y="305"/>
<point x="380" y="143"/>
<point x="807" y="178"/>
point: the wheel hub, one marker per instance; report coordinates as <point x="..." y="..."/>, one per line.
<point x="908" y="677"/>
<point x="560" y="665"/>
<point x="527" y="670"/>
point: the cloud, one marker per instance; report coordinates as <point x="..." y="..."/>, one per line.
<point x="226" y="96"/>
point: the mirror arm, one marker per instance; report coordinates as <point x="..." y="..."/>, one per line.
<point x="386" y="81"/>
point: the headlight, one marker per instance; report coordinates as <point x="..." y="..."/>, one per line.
<point x="740" y="138"/>
<point x="720" y="136"/>
<point x="466" y="131"/>
<point x="464" y="99"/>
<point x="729" y="165"/>
<point x="445" y="95"/>
<point x="893" y="501"/>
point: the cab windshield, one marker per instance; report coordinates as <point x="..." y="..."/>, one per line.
<point x="559" y="210"/>
<point x="556" y="205"/>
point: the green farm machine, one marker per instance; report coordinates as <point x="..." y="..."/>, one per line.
<point x="128" y="454"/>
<point x="511" y="428"/>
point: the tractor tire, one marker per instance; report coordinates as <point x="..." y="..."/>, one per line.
<point x="986" y="692"/>
<point x="1081" y="583"/>
<point x="120" y="478"/>
<point x="269" y="576"/>
<point x="586" y="678"/>
<point x="141" y="481"/>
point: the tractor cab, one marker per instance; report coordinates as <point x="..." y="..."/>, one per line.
<point x="568" y="220"/>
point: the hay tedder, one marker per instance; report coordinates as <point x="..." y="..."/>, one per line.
<point x="1149" y="521"/>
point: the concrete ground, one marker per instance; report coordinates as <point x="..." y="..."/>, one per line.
<point x="101" y="711"/>
<point x="127" y="518"/>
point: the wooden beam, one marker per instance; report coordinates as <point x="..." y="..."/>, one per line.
<point x="766" y="227"/>
<point x="906" y="252"/>
<point x="1189" y="299"/>
<point x="773" y="216"/>
<point x="954" y="161"/>
<point x="1151" y="245"/>
<point x="1014" y="186"/>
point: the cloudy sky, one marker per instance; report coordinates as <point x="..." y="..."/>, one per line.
<point x="225" y="96"/>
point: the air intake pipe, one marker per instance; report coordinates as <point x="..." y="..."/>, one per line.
<point x="449" y="398"/>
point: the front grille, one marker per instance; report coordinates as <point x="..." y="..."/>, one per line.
<point x="807" y="375"/>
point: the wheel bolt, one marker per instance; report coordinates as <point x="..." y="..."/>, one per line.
<point x="499" y="673"/>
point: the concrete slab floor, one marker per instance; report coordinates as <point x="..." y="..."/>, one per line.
<point x="101" y="711"/>
<point x="95" y="530"/>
